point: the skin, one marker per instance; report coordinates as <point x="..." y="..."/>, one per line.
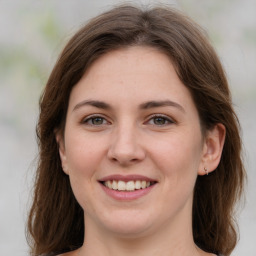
<point x="125" y="139"/>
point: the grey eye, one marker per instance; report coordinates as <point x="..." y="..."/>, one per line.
<point x="160" y="120"/>
<point x="97" y="120"/>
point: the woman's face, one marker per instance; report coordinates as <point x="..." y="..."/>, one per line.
<point x="132" y="144"/>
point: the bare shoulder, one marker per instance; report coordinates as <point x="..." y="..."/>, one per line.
<point x="73" y="253"/>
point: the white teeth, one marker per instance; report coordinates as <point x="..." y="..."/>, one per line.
<point x="143" y="184"/>
<point x="114" y="185"/>
<point x="130" y="185"/>
<point x="108" y="184"/>
<point x="137" y="184"/>
<point x="121" y="185"/>
<point x="126" y="186"/>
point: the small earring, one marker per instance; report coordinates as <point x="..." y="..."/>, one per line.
<point x="206" y="171"/>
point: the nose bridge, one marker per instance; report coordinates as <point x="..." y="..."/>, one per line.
<point x="125" y="146"/>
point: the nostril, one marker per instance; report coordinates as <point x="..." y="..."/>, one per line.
<point x="125" y="153"/>
<point x="114" y="159"/>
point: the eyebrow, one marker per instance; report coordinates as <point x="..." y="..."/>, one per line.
<point x="94" y="103"/>
<point x="155" y="104"/>
<point x="146" y="105"/>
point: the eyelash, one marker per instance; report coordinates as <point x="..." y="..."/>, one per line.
<point x="167" y="120"/>
<point x="88" y="120"/>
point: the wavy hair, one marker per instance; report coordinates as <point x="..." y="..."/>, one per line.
<point x="55" y="222"/>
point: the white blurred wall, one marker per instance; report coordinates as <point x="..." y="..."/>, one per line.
<point x="32" y="34"/>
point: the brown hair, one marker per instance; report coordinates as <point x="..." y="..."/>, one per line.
<point x="55" y="221"/>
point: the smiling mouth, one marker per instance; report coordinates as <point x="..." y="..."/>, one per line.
<point x="131" y="185"/>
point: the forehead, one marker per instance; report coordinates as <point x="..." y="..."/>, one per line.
<point x="129" y="61"/>
<point x="137" y="72"/>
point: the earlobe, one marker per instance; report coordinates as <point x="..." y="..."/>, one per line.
<point x="212" y="150"/>
<point x="62" y="152"/>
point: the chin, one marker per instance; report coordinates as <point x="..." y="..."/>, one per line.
<point x="130" y="231"/>
<point x="128" y="225"/>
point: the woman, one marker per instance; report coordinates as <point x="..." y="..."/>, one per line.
<point x="140" y="151"/>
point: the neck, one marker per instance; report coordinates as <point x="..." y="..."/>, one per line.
<point x="140" y="246"/>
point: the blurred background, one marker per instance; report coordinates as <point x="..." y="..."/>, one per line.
<point x="32" y="34"/>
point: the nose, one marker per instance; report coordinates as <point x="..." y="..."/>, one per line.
<point x="125" y="148"/>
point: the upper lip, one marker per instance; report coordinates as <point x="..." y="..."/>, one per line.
<point x="126" y="177"/>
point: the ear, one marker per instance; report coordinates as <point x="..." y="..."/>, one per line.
<point x="62" y="152"/>
<point x="212" y="149"/>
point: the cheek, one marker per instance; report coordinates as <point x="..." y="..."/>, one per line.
<point x="83" y="160"/>
<point x="178" y="155"/>
<point x="82" y="154"/>
<point x="178" y="161"/>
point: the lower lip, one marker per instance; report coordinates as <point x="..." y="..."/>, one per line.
<point x="127" y="195"/>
